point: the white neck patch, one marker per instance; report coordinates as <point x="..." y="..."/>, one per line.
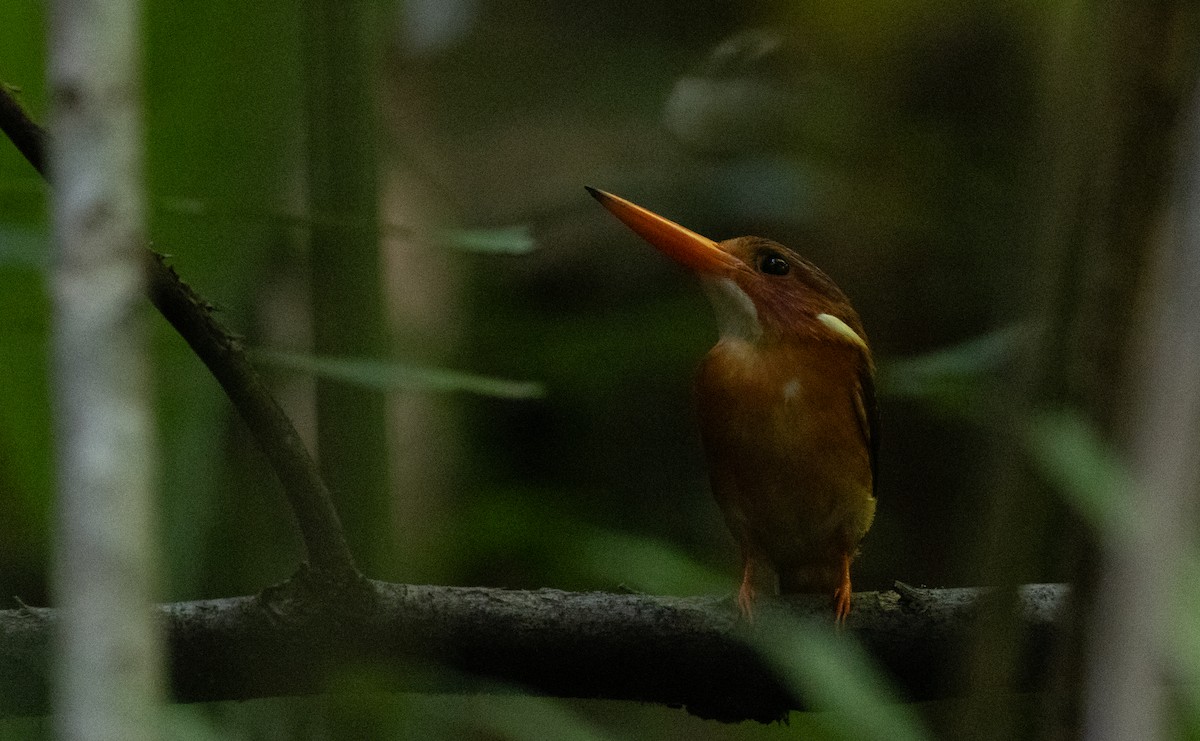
<point x="737" y="317"/>
<point x="841" y="329"/>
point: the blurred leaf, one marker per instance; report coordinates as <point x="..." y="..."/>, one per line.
<point x="645" y="564"/>
<point x="952" y="378"/>
<point x="1094" y="480"/>
<point x="835" y="675"/>
<point x="530" y="717"/>
<point x="189" y="723"/>
<point x="511" y="240"/>
<point x="387" y="376"/>
<point x="1071" y="454"/>
<point x="364" y="702"/>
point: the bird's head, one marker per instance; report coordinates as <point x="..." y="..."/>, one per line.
<point x="760" y="290"/>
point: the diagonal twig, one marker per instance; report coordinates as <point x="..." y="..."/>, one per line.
<point x="220" y="350"/>
<point x="29" y="138"/>
<point x="223" y="354"/>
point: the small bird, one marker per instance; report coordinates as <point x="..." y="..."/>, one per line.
<point x="787" y="412"/>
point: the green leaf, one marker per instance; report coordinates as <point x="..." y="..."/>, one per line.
<point x="391" y="376"/>
<point x="509" y="240"/>
<point x="835" y="676"/>
<point x="645" y="564"/>
<point x="1097" y="483"/>
<point x="531" y="717"/>
<point x="954" y="377"/>
<point x="1074" y="458"/>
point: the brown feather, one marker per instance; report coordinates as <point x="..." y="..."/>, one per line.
<point x="793" y="480"/>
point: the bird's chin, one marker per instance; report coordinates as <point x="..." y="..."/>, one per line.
<point x="737" y="317"/>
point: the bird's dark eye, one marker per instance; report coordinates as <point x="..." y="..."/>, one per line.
<point x="773" y="264"/>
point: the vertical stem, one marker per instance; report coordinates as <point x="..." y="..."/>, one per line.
<point x="1128" y="83"/>
<point x="108" y="650"/>
<point x="1113" y="87"/>
<point x="1140" y="599"/>
<point x="341" y="74"/>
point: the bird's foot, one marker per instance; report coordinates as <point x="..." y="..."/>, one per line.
<point x="841" y="595"/>
<point x="747" y="594"/>
<point x="841" y="605"/>
<point x="745" y="602"/>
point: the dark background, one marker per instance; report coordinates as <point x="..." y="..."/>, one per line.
<point x="905" y="147"/>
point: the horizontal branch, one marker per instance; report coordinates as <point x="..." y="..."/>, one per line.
<point x="689" y="652"/>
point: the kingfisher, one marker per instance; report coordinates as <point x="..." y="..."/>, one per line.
<point x="786" y="406"/>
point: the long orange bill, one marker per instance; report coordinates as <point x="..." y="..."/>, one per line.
<point x="679" y="243"/>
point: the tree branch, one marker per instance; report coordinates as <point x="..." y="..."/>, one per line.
<point x="689" y="652"/>
<point x="27" y="136"/>
<point x="226" y="359"/>
<point x="220" y="350"/>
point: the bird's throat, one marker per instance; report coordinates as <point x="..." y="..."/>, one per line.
<point x="737" y="317"/>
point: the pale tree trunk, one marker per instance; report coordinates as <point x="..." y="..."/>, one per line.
<point x="1137" y="607"/>
<point x="108" y="647"/>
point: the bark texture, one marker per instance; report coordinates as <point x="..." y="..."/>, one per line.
<point x="680" y="652"/>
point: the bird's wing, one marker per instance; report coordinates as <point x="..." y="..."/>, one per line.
<point x="868" y="416"/>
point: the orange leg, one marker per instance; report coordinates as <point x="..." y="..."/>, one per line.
<point x="841" y="595"/>
<point x="747" y="593"/>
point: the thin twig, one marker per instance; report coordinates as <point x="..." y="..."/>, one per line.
<point x="29" y="138"/>
<point x="226" y="359"/>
